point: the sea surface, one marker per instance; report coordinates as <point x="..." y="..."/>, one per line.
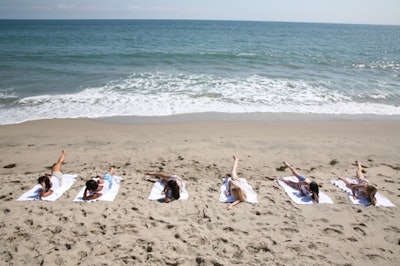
<point x="107" y="68"/>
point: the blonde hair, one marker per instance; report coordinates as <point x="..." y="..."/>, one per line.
<point x="238" y="193"/>
<point x="371" y="191"/>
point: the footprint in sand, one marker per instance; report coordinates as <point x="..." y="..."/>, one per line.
<point x="334" y="229"/>
<point x="393" y="235"/>
<point x="360" y="228"/>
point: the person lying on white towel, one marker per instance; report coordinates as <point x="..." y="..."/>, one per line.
<point x="173" y="185"/>
<point x="98" y="186"/>
<point x="363" y="187"/>
<point x="51" y="182"/>
<point x="235" y="187"/>
<point x="304" y="185"/>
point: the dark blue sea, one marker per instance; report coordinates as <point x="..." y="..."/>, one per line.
<point x="106" y="68"/>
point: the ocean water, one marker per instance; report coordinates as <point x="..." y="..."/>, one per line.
<point x="106" y="68"/>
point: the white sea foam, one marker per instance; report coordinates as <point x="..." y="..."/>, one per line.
<point x="8" y="93"/>
<point x="159" y="94"/>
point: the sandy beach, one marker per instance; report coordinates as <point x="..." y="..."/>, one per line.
<point x="133" y="230"/>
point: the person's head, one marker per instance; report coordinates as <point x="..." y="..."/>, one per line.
<point x="238" y="193"/>
<point x="371" y="191"/>
<point x="92" y="185"/>
<point x="46" y="180"/>
<point x="314" y="190"/>
<point x="173" y="186"/>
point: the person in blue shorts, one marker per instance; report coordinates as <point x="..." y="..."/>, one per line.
<point x="98" y="186"/>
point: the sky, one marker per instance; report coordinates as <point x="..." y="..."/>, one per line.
<point x="385" y="12"/>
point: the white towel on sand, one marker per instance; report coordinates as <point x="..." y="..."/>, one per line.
<point x="33" y="194"/>
<point x="158" y="188"/>
<point x="380" y="199"/>
<point x="251" y="195"/>
<point x="108" y="196"/>
<point x="296" y="196"/>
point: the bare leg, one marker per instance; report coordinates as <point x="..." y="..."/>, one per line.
<point x="294" y="171"/>
<point x="346" y="182"/>
<point x="58" y="164"/>
<point x="290" y="183"/>
<point x="111" y="171"/>
<point x="234" y="168"/>
<point x="162" y="176"/>
<point x="351" y="186"/>
<point x="359" y="173"/>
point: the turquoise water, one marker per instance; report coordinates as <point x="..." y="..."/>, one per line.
<point x="103" y="68"/>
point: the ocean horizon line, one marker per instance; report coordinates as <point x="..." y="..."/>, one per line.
<point x="193" y="20"/>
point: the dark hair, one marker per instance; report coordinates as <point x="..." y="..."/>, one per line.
<point x="174" y="189"/>
<point x="46" y="180"/>
<point x="314" y="188"/>
<point x="92" y="185"/>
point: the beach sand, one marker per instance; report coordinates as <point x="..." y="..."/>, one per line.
<point x="199" y="231"/>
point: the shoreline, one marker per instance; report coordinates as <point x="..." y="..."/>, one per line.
<point x="244" y="117"/>
<point x="227" y="117"/>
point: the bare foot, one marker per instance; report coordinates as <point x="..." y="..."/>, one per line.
<point x="112" y="170"/>
<point x="358" y="164"/>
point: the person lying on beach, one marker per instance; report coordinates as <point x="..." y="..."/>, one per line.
<point x="363" y="187"/>
<point x="108" y="176"/>
<point x="172" y="185"/>
<point x="98" y="186"/>
<point x="234" y="186"/>
<point x="304" y="185"/>
<point x="51" y="182"/>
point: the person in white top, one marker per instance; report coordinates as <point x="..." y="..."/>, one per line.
<point x="235" y="187"/>
<point x="51" y="182"/>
